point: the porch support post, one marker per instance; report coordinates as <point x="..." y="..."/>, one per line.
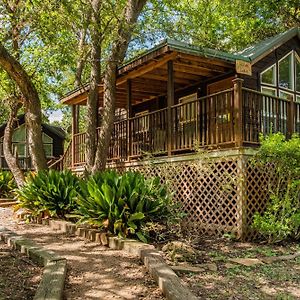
<point x="170" y="101"/>
<point x="129" y="115"/>
<point x="238" y="111"/>
<point x="75" y="129"/>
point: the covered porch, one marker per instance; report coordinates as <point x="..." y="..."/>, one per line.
<point x="176" y="100"/>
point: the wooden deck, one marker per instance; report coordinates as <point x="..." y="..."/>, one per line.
<point x="231" y="118"/>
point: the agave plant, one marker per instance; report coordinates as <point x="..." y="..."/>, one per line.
<point x="49" y="191"/>
<point x="7" y="184"/>
<point x="121" y="203"/>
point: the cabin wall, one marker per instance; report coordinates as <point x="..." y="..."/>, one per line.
<point x="58" y="143"/>
<point x="253" y="82"/>
<point x="204" y="88"/>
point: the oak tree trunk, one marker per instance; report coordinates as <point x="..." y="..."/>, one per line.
<point x="95" y="78"/>
<point x="131" y="13"/>
<point x="12" y="160"/>
<point x="32" y="107"/>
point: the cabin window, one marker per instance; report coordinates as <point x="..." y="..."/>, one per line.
<point x="285" y="95"/>
<point x="269" y="76"/>
<point x="285" y="76"/>
<point x="19" y="141"/>
<point x="286" y="72"/>
<point x="268" y="91"/>
<point x="48" y="144"/>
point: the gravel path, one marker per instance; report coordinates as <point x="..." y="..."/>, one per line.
<point x="94" y="272"/>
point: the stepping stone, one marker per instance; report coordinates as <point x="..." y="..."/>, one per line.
<point x="269" y="260"/>
<point x="248" y="262"/>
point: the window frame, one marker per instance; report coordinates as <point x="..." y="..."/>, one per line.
<point x="292" y="53"/>
<point x="276" y="87"/>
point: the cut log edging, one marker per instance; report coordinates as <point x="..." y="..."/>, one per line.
<point x="167" y="280"/>
<point x="52" y="283"/>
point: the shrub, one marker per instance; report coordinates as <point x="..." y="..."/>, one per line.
<point x="281" y="219"/>
<point x="50" y="192"/>
<point x="7" y="184"/>
<point x="122" y="203"/>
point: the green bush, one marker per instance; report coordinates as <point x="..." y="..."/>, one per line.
<point x="281" y="219"/>
<point x="122" y="203"/>
<point x="7" y="184"/>
<point x="50" y="192"/>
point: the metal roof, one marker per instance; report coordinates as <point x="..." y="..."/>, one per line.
<point x="258" y="51"/>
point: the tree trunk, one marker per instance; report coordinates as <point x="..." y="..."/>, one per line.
<point x="95" y="79"/>
<point x="32" y="107"/>
<point x="11" y="160"/>
<point x="131" y="13"/>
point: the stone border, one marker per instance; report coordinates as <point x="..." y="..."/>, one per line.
<point x="52" y="282"/>
<point x="167" y="280"/>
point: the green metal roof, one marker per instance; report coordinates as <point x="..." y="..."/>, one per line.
<point x="190" y="49"/>
<point x="249" y="54"/>
<point x="255" y="52"/>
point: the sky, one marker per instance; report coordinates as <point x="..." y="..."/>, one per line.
<point x="56" y="115"/>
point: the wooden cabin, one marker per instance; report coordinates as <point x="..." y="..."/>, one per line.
<point x="53" y="142"/>
<point x="177" y="98"/>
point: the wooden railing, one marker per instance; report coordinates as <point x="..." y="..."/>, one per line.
<point x="207" y="121"/>
<point x="265" y="114"/>
<point x="23" y="162"/>
<point x="219" y="120"/>
<point x="118" y="148"/>
<point x="297" y="117"/>
<point x="148" y="134"/>
<point x="79" y="148"/>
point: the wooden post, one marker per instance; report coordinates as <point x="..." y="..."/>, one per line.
<point x="75" y="129"/>
<point x="241" y="194"/>
<point x="238" y="111"/>
<point x="170" y="101"/>
<point x="290" y="117"/>
<point x="129" y="115"/>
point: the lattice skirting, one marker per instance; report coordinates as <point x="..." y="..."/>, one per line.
<point x="219" y="195"/>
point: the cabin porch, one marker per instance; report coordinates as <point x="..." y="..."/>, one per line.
<point x="232" y="118"/>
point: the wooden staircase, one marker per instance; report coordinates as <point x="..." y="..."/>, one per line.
<point x="64" y="162"/>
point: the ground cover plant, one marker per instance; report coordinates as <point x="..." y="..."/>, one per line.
<point x="122" y="204"/>
<point x="220" y="278"/>
<point x="49" y="192"/>
<point x="7" y="184"/>
<point x="281" y="159"/>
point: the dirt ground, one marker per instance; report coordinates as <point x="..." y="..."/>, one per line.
<point x="94" y="272"/>
<point x="277" y="280"/>
<point x="19" y="277"/>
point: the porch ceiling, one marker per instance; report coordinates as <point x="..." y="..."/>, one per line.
<point x="149" y="76"/>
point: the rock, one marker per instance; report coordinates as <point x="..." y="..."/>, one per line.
<point x="230" y="266"/>
<point x="104" y="239"/>
<point x="269" y="260"/>
<point x="212" y="267"/>
<point x="248" y="262"/>
<point x="180" y="251"/>
<point x="187" y="269"/>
